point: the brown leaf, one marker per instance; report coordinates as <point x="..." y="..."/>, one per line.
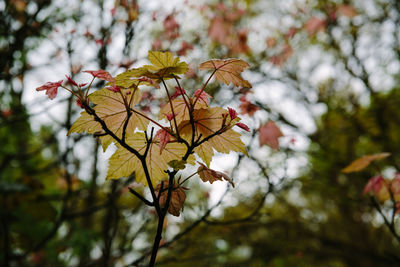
<point x="178" y="197"/>
<point x="363" y="162"/>
<point x="269" y="134"/>
<point x="227" y="70"/>
<point x="208" y="175"/>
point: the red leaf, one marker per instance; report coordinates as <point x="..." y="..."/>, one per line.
<point x="185" y="46"/>
<point x="169" y="116"/>
<point x="79" y="103"/>
<point x="243" y="126"/>
<point x="374" y="185"/>
<point x="151" y="81"/>
<point x="71" y="81"/>
<point x="101" y="74"/>
<point x="203" y="96"/>
<point x="246" y="107"/>
<point x="179" y="91"/>
<point x="269" y="134"/>
<point x="163" y="137"/>
<point x="114" y="88"/>
<point x="232" y="113"/>
<point x="51" y="88"/>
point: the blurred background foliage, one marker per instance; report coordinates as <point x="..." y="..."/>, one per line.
<point x="327" y="72"/>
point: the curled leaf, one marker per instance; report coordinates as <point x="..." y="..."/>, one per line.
<point x="177" y="200"/>
<point x="208" y="175"/>
<point x="363" y="162"/>
<point x="243" y="126"/>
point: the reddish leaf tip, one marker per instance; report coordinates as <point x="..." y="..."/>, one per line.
<point x="243" y="126"/>
<point x="232" y="113"/>
<point x="71" y="81"/>
<point x="50" y="88"/>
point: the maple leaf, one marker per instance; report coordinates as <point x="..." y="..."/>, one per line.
<point x="164" y="138"/>
<point x="361" y="163"/>
<point x="101" y="74"/>
<point x="177" y="199"/>
<point x="208" y="175"/>
<point x="227" y="70"/>
<point x="269" y="134"/>
<point x="50" y="88"/>
<point x="246" y="107"/>
<point x="133" y="77"/>
<point x="180" y="109"/>
<point x="110" y="107"/>
<point x="123" y="163"/>
<point x="202" y="96"/>
<point x="179" y="91"/>
<point x="165" y="65"/>
<point x="207" y="122"/>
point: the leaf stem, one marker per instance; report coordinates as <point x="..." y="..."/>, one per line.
<point x="183" y="93"/>
<point x="172" y="107"/>
<point x="204" y="87"/>
<point x="87" y="90"/>
<point x="187" y="178"/>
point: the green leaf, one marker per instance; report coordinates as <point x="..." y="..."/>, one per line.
<point x="177" y="164"/>
<point x="165" y="65"/>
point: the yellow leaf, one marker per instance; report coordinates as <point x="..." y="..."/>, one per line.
<point x="85" y="124"/>
<point x="227" y="70"/>
<point x="110" y="107"/>
<point x="363" y="162"/>
<point x="130" y="78"/>
<point x="123" y="163"/>
<point x="180" y="109"/>
<point x="165" y="65"/>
